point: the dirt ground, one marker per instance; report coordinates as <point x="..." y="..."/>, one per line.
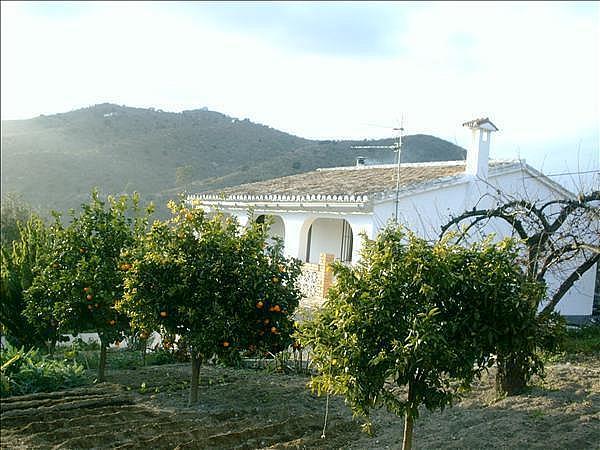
<point x="246" y="409"/>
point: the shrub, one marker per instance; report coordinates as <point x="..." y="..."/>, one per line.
<point x="25" y="372"/>
<point x="583" y="341"/>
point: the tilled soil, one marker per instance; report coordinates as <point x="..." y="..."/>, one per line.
<point x="247" y="409"/>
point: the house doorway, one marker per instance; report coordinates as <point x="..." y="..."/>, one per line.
<point x="332" y="236"/>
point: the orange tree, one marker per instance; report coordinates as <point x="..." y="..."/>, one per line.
<point x="19" y="259"/>
<point x="222" y="289"/>
<point x="414" y="323"/>
<point x="80" y="281"/>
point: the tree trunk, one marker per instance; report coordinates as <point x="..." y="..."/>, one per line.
<point x="408" y="431"/>
<point x="408" y="420"/>
<point x="51" y="347"/>
<point x="144" y="343"/>
<point x="196" y="362"/>
<point x="102" y="364"/>
<point x="511" y="378"/>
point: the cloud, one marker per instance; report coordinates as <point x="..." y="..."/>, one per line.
<point x="333" y="29"/>
<point x="318" y="70"/>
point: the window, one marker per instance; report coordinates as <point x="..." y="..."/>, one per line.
<point x="346" y="250"/>
<point x="308" y="239"/>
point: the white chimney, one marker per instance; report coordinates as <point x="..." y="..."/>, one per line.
<point x="479" y="151"/>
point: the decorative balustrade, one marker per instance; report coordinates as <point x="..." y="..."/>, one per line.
<point x="316" y="279"/>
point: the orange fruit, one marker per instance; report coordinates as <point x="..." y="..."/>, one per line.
<point x="112" y="322"/>
<point x="163" y="314"/>
<point x="96" y="305"/>
<point x="277" y="308"/>
<point x="273" y="330"/>
<point x="89" y="297"/>
<point x="86" y="289"/>
<point x="259" y="304"/>
<point x="266" y="321"/>
<point x="225" y="344"/>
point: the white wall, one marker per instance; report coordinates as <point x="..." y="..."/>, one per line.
<point x="425" y="213"/>
<point x="326" y="237"/>
<point x="277" y="228"/>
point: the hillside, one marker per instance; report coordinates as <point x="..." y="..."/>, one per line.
<point x="54" y="161"/>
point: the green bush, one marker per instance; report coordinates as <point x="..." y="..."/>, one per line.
<point x="161" y="356"/>
<point x="25" y="372"/>
<point x="584" y="340"/>
<point x="88" y="356"/>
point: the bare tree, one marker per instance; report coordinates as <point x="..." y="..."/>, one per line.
<point x="560" y="236"/>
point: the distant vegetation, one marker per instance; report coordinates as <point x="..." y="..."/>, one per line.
<point x="54" y="161"/>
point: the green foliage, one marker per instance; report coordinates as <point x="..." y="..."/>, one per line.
<point x="25" y="372"/>
<point x="14" y="213"/>
<point x="583" y="341"/>
<point x="414" y="323"/>
<point x="19" y="260"/>
<point x="88" y="355"/>
<point x="161" y="356"/>
<point x="222" y="289"/>
<point x="81" y="280"/>
<point x="55" y="160"/>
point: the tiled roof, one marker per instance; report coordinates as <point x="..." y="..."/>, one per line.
<point x="477" y="123"/>
<point x="344" y="184"/>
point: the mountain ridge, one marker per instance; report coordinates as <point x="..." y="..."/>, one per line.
<point x="54" y="160"/>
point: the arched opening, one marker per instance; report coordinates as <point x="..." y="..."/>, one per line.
<point x="276" y="228"/>
<point x="332" y="236"/>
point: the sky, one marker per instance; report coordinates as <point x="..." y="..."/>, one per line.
<point x="326" y="70"/>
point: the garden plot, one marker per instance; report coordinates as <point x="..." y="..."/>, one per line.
<point x="244" y="409"/>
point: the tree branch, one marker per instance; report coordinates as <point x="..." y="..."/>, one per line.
<point x="568" y="283"/>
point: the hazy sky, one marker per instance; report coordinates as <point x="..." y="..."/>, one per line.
<point x="324" y="70"/>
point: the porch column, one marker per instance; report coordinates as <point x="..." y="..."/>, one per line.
<point x="359" y="225"/>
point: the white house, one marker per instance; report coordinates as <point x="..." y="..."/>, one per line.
<point x="325" y="211"/>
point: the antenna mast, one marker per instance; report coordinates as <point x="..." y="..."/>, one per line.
<point x="397" y="147"/>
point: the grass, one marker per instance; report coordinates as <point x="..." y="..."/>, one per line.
<point x="580" y="344"/>
<point x="583" y="341"/>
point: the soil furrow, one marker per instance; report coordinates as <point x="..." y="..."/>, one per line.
<point x="48" y="411"/>
<point x="53" y="401"/>
<point x="102" y="388"/>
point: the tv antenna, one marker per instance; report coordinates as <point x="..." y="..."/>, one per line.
<point x="396" y="147"/>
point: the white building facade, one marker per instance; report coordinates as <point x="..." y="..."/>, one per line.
<point x="327" y="211"/>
